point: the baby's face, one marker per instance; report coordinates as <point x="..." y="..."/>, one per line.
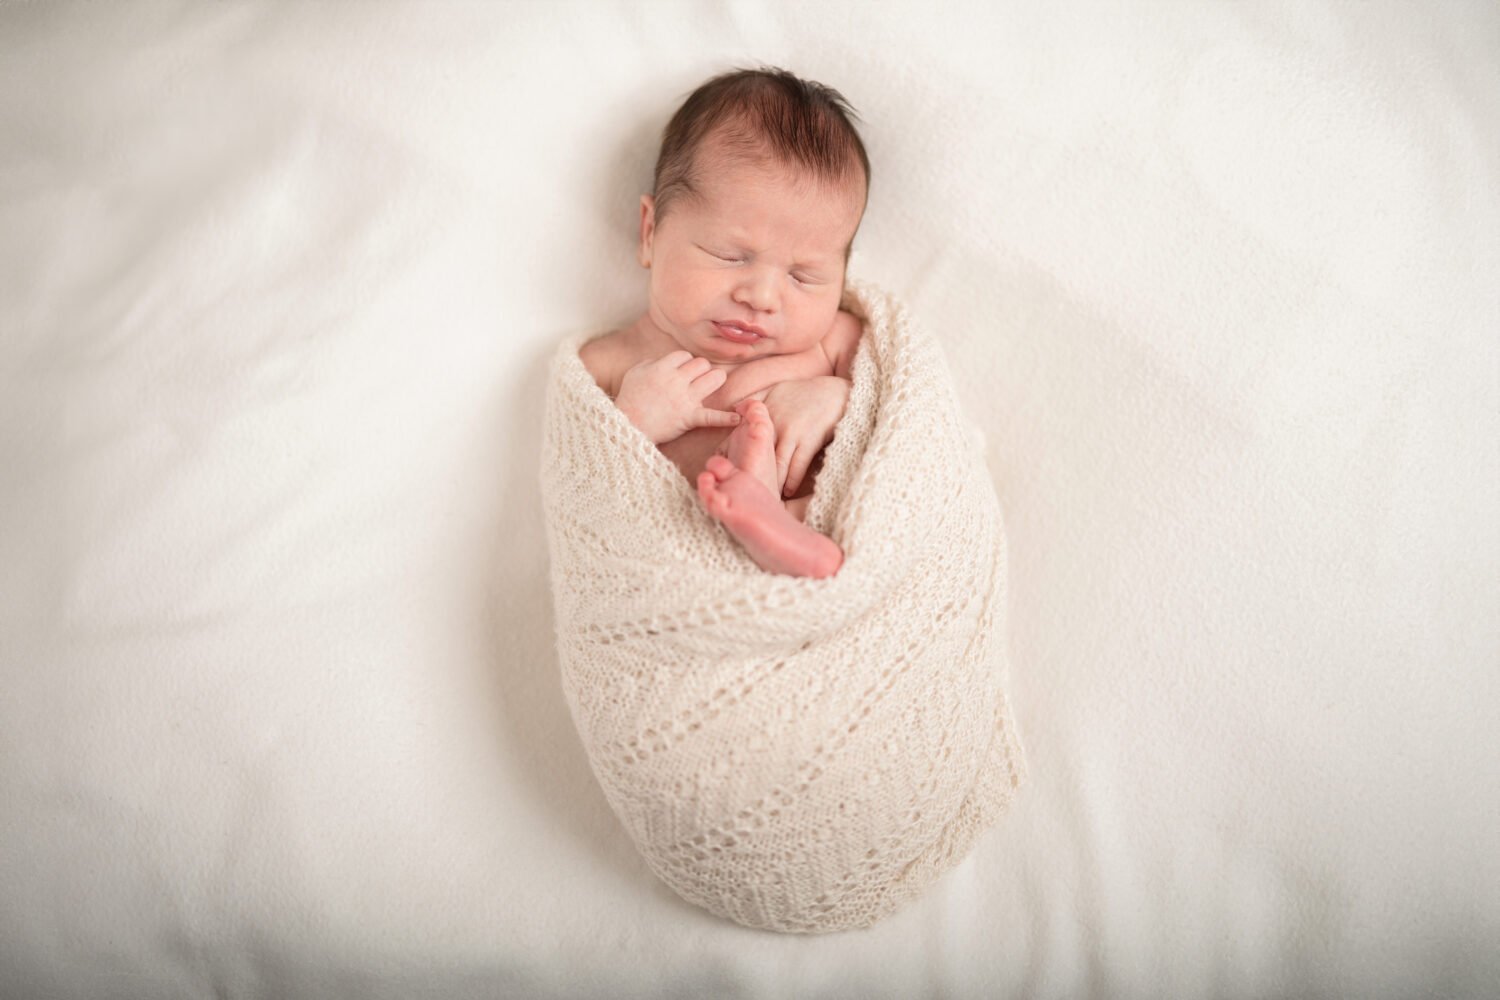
<point x="754" y="266"/>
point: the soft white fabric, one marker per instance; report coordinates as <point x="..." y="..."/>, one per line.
<point x="280" y="713"/>
<point x="794" y="754"/>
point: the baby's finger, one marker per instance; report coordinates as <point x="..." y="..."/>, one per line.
<point x="675" y="359"/>
<point x="704" y="417"/>
<point x="694" y="365"/>
<point x="785" y="457"/>
<point x="795" y="470"/>
<point x="709" y="381"/>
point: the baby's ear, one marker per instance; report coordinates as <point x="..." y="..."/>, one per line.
<point x="648" y="229"/>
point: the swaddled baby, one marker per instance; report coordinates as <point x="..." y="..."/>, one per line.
<point x="802" y="749"/>
<point x="739" y="368"/>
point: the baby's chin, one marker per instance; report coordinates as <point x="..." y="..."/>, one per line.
<point x="735" y="355"/>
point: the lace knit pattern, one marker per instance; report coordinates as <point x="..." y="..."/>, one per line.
<point x="792" y="754"/>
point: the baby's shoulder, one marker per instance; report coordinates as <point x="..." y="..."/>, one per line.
<point x="607" y="358"/>
<point x="842" y="341"/>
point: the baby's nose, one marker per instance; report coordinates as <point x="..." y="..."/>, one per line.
<point x="757" y="289"/>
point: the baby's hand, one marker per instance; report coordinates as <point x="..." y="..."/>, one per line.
<point x="664" y="398"/>
<point x="805" y="413"/>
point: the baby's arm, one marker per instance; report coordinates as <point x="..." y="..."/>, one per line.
<point x="664" y="398"/>
<point x="806" y="411"/>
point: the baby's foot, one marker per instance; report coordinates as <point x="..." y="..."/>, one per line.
<point x="751" y="446"/>
<point x="759" y="521"/>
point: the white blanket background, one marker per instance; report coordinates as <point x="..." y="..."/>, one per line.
<point x="279" y="711"/>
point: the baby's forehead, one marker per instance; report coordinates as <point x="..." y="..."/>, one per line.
<point x="726" y="174"/>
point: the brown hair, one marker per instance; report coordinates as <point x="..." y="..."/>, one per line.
<point x="760" y="113"/>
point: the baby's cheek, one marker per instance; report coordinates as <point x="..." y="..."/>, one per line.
<point x="815" y="323"/>
<point x="678" y="296"/>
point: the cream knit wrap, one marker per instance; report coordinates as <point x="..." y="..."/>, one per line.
<point x="793" y="754"/>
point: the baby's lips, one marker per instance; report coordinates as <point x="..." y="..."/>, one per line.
<point x="737" y="333"/>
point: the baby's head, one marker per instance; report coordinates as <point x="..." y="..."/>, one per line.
<point x="760" y="187"/>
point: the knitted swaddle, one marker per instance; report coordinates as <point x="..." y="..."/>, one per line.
<point x="793" y="754"/>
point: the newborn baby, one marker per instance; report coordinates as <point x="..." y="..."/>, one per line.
<point x="797" y="758"/>
<point x="739" y="368"/>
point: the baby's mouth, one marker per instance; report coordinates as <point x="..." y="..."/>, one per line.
<point x="738" y="334"/>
